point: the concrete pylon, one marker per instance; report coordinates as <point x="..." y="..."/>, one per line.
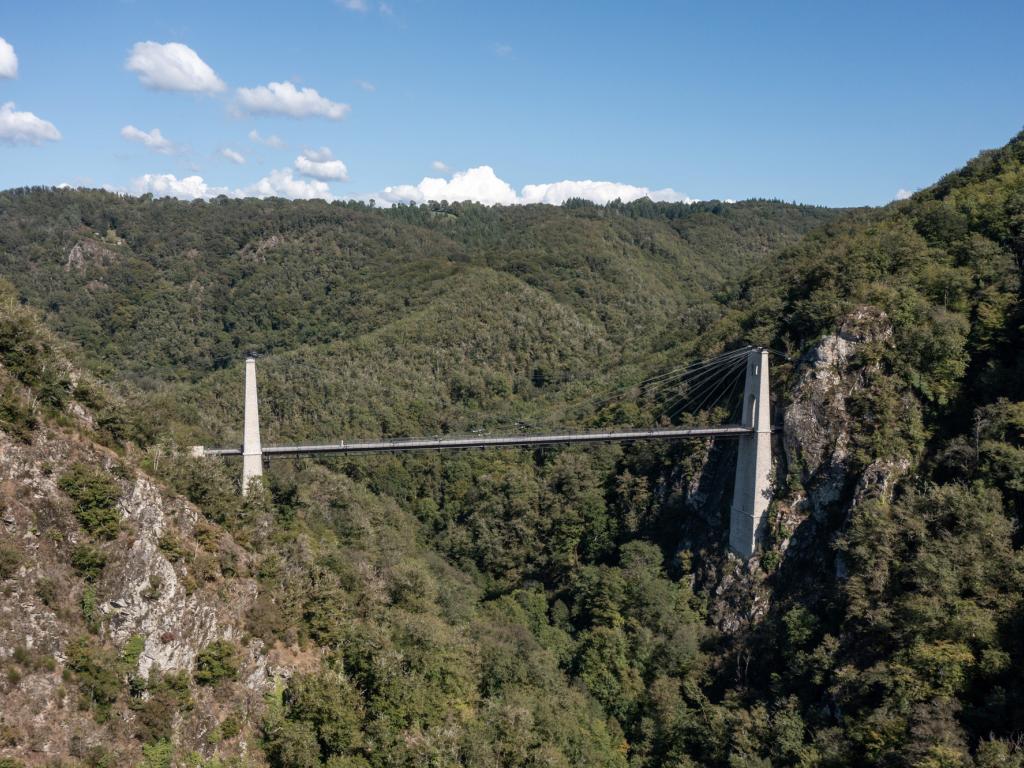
<point x="752" y="490"/>
<point x="252" y="449"/>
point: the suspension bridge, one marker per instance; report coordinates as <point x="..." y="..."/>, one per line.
<point x="699" y="386"/>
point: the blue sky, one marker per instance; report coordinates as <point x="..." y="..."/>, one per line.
<point x="834" y="103"/>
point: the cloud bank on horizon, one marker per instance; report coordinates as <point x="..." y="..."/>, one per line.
<point x="478" y="185"/>
<point x="482" y="185"/>
<point x="278" y="183"/>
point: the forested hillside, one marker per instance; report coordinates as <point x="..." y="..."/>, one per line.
<point x="562" y="607"/>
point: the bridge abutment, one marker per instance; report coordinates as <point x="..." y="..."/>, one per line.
<point x="752" y="488"/>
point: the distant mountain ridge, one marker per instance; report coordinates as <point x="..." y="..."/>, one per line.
<point x="197" y="284"/>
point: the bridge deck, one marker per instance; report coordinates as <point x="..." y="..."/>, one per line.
<point x="450" y="443"/>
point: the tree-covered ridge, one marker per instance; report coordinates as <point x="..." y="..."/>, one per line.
<point x="173" y="290"/>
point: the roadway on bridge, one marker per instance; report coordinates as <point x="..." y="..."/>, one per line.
<point x="504" y="441"/>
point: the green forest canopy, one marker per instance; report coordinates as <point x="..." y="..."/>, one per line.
<point x="540" y="609"/>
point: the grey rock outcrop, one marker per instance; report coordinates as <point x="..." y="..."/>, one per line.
<point x="817" y="429"/>
<point x="148" y="597"/>
<point x="89" y="252"/>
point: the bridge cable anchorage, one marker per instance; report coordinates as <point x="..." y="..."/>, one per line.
<point x="696" y="370"/>
<point x="782" y="355"/>
<point x="708" y="380"/>
<point x="692" y="386"/>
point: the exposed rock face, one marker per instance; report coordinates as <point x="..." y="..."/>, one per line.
<point x="88" y="252"/>
<point x="817" y="437"/>
<point x="177" y="608"/>
<point x="817" y="423"/>
<point x="149" y="599"/>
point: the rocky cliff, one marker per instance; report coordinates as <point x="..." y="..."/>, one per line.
<point x="155" y="605"/>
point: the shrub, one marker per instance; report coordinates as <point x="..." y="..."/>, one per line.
<point x="293" y="745"/>
<point x="46" y="590"/>
<point x="217" y="661"/>
<point x="88" y="561"/>
<point x="95" y="496"/>
<point x="132" y="650"/>
<point x="90" y="609"/>
<point x="156" y="584"/>
<point x="157" y="755"/>
<point x="20" y="349"/>
<point x="15" y="417"/>
<point x="168" y="694"/>
<point x="172" y="547"/>
<point x="10" y="559"/>
<point x="331" y="705"/>
<point x="231" y="726"/>
<point x="97" y="673"/>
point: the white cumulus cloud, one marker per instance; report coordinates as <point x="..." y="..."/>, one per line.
<point x="440" y="166"/>
<point x="153" y="139"/>
<point x="278" y="183"/>
<point x="366" y="86"/>
<point x="233" y="156"/>
<point x="8" y="60"/>
<point x="903" y="194"/>
<point x="172" y="67"/>
<point x="597" y="191"/>
<point x="281" y="183"/>
<point x="320" y="164"/>
<point x="482" y="185"/>
<point x="286" y="99"/>
<point x="25" y="127"/>
<point x="272" y="140"/>
<point x="169" y="185"/>
<point x="479" y="184"/>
